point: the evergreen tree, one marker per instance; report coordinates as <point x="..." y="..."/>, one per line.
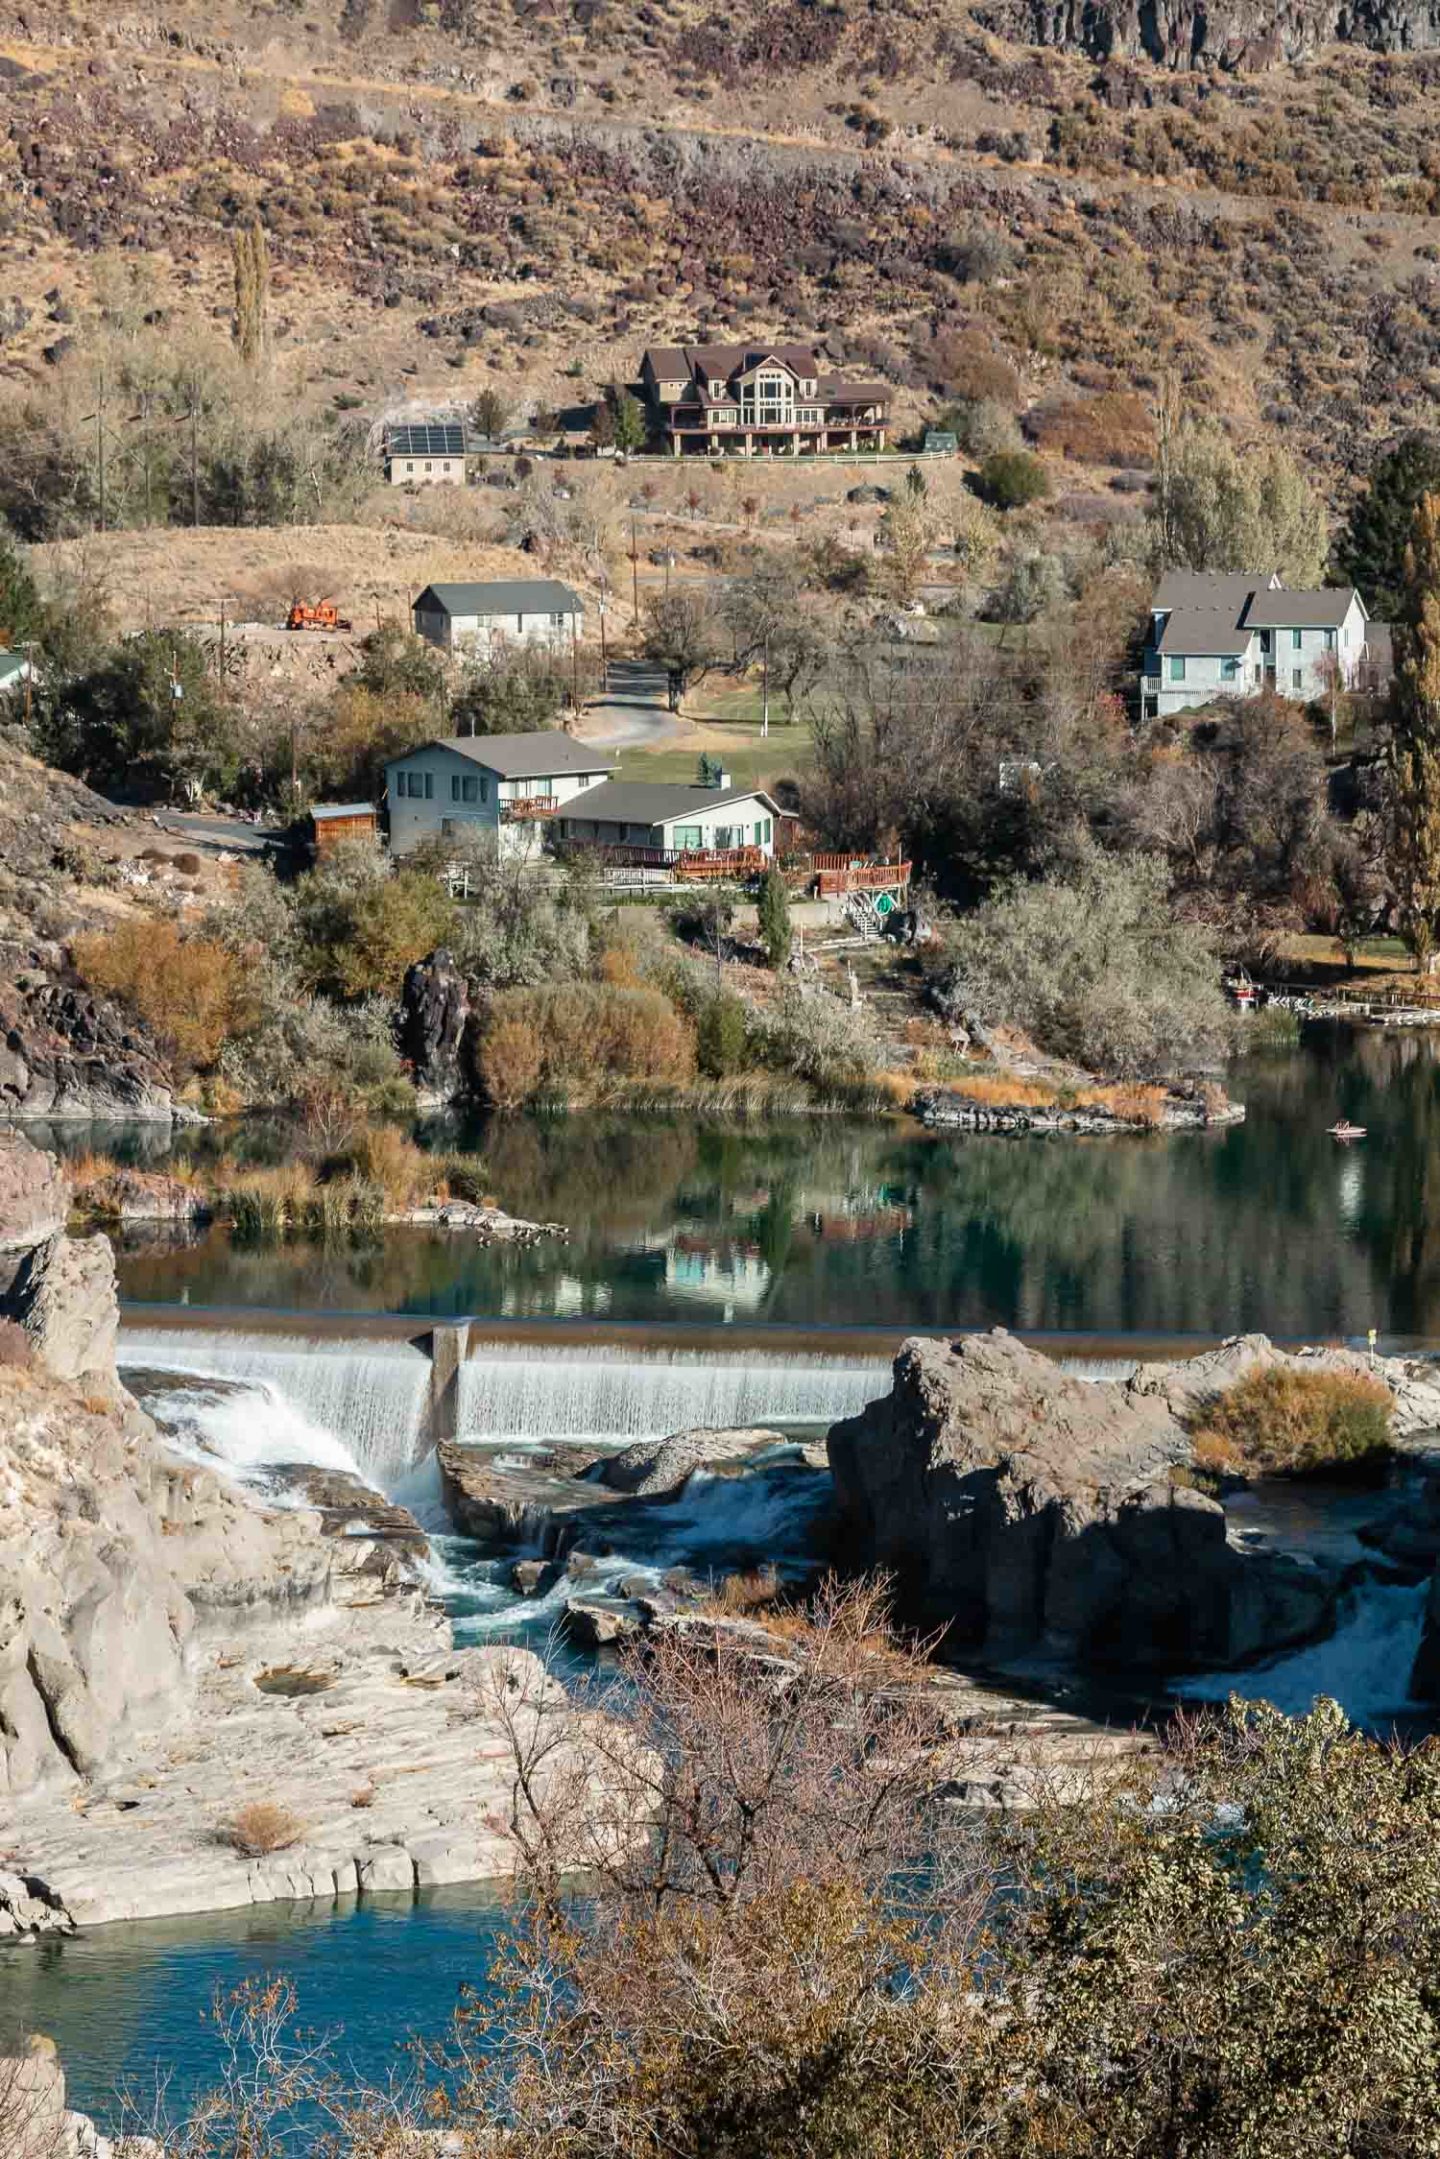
<point x="1372" y="548"/>
<point x="21" y="614"/>
<point x="774" y="912"/>
<point x="1412" y="761"/>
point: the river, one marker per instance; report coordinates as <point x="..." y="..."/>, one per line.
<point x="756" y="1237"/>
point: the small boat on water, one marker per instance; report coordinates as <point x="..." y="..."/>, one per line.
<point x="1346" y="1130"/>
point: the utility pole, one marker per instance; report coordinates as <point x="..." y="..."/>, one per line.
<point x="194" y="454"/>
<point x="765" y="690"/>
<point x="634" y="575"/>
<point x="28" y="648"/>
<point x="574" y="668"/>
<point x="100" y="446"/>
<point x="222" y="649"/>
<point x="604" y="653"/>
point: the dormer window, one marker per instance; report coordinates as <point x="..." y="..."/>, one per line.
<point x="717" y="388"/>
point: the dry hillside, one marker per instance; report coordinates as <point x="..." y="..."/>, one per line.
<point x="464" y="192"/>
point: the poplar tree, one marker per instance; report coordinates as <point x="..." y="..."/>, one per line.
<point x="1412" y="761"/>
<point x="250" y="254"/>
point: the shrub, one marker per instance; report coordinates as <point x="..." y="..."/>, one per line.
<point x="17" y="1352"/>
<point x="1276" y="1420"/>
<point x="261" y="1826"/>
<point x="1094" y="966"/>
<point x="195" y="993"/>
<point x="815" y="1036"/>
<point x="774" y="917"/>
<point x="1112" y="429"/>
<point x="390" y="1159"/>
<point x="1012" y="479"/>
<point x="511" y="1060"/>
<point x="722" y="1033"/>
<point x="588" y="1036"/>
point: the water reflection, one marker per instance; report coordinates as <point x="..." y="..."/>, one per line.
<point x="834" y="1222"/>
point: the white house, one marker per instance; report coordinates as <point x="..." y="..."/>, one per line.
<point x="1231" y="633"/>
<point x="431" y="454"/>
<point x="677" y="817"/>
<point x="509" y="787"/>
<point x="511" y="611"/>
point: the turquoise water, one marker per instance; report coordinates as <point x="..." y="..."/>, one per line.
<point x="833" y="1222"/>
<point x="132" y="2005"/>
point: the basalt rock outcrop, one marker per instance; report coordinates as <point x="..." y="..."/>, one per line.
<point x="1229" y="34"/>
<point x="1032" y="1515"/>
<point x="67" y="1054"/>
<point x="434" y="1012"/>
<point x="172" y="1647"/>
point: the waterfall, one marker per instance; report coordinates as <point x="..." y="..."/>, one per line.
<point x="1364" y="1664"/>
<point x="521" y="1391"/>
<point x="369" y="1394"/>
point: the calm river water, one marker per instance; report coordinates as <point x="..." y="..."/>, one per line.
<point x="825" y="1222"/>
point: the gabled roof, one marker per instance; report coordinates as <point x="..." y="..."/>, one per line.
<point x="506" y="596"/>
<point x="657" y="802"/>
<point x="525" y="757"/>
<point x="1202" y="632"/>
<point x="321" y="810"/>
<point x="1211" y="588"/>
<point x="431" y="438"/>
<point x="1286" y="610"/>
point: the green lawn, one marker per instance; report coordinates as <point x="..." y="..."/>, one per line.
<point x="750" y="761"/>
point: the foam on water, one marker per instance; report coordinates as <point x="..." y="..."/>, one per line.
<point x="1364" y="1665"/>
<point x="244" y="1427"/>
<point x="369" y="1395"/>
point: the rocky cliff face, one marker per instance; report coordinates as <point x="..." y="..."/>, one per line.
<point x="111" y="1552"/>
<point x="1221" y="34"/>
<point x="434" y="1009"/>
<point x="1028" y="1513"/>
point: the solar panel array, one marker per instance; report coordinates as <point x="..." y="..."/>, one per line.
<point x="433" y="439"/>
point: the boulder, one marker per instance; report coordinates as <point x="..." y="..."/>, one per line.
<point x="1028" y="1514"/>
<point x="434" y="1009"/>
<point x="657" y="1467"/>
<point x="64" y="1053"/>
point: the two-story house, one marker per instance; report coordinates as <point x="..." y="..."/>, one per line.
<point x="481" y="618"/>
<point x="770" y="399"/>
<point x="507" y="788"/>
<point x="1233" y="633"/>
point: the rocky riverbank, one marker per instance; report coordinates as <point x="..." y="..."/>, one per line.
<point x="1046" y="1522"/>
<point x="173" y="1651"/>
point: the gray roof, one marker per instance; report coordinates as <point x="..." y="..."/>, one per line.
<point x="1286" y="610"/>
<point x="1203" y="631"/>
<point x="1229" y="589"/>
<point x="322" y="810"/>
<point x="507" y="596"/>
<point x="656" y="802"/>
<point x="525" y="757"/>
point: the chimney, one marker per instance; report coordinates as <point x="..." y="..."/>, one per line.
<point x="720" y="778"/>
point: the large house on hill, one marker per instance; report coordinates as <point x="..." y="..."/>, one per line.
<point x="1231" y="633"/>
<point x="770" y="399"/>
<point x="503" y="788"/>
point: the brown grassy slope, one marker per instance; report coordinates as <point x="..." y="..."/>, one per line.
<point x="548" y="190"/>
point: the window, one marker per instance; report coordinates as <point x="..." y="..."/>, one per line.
<point x="1229" y="670"/>
<point x="769" y="830"/>
<point x="1177" y="667"/>
<point x="419" y="786"/>
<point x="717" y="389"/>
<point x="1297" y="640"/>
<point x="688" y="838"/>
<point x="557" y="622"/>
<point x="427" y="464"/>
<point x="409" y="464"/>
<point x="1265" y="641"/>
<point x="1297" y="677"/>
<point x="1330" y="640"/>
<point x="466" y="789"/>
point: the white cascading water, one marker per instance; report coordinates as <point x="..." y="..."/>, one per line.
<point x="368" y="1395"/>
<point x="1364" y="1665"/>
<point x="521" y="1392"/>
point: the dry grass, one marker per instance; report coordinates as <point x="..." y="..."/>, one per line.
<point x="1278" y="1421"/>
<point x="261" y="1826"/>
<point x="1133" y="1103"/>
<point x="741" y="1595"/>
<point x="1001" y="1091"/>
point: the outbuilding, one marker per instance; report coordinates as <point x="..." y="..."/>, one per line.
<point x="483" y="618"/>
